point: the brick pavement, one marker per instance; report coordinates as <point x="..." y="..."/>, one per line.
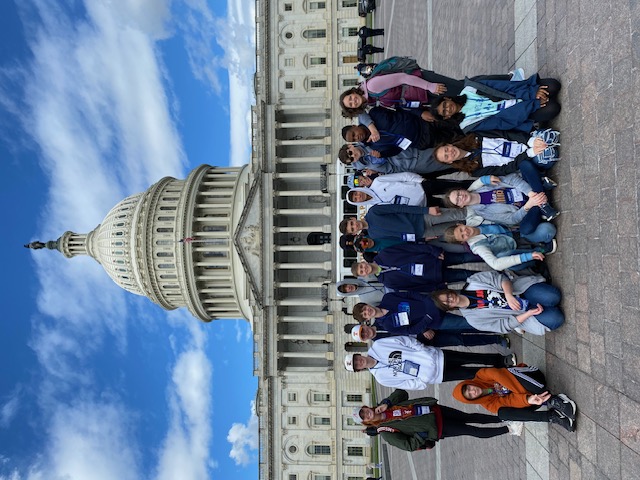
<point x="593" y="47"/>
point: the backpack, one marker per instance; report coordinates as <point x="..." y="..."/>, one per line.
<point x="395" y="65"/>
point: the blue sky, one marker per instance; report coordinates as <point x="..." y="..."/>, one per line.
<point x="98" y="100"/>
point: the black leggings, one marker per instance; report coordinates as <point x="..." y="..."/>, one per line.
<point x="552" y="108"/>
<point x="454" y="424"/>
<point x="455" y="364"/>
<point x="530" y="414"/>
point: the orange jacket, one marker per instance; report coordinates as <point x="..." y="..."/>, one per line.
<point x="486" y="378"/>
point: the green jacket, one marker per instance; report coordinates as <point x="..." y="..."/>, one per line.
<point x="409" y="438"/>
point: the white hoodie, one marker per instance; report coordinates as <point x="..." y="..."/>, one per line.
<point x="403" y="188"/>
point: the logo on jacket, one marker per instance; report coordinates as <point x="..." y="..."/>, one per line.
<point x="395" y="362"/>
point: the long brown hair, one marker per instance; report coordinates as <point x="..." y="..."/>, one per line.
<point x="468" y="143"/>
<point x="348" y="112"/>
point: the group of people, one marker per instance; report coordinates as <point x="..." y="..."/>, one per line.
<point x="452" y="173"/>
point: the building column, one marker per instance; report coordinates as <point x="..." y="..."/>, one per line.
<point x="324" y="211"/>
<point x="300" y="302"/>
<point x="325" y="247"/>
<point x="319" y="228"/>
<point x="300" y="284"/>
<point x="302" y="266"/>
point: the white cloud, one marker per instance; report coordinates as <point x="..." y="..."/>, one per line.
<point x="10" y="407"/>
<point x="235" y="34"/>
<point x="244" y="439"/>
<point x="88" y="440"/>
<point x="185" y="450"/>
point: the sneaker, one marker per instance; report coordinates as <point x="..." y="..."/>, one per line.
<point x="515" y="428"/>
<point x="517" y="75"/>
<point x="563" y="405"/>
<point x="559" y="419"/>
<point x="519" y="331"/>
<point x="551" y="247"/>
<point x="505" y="342"/>
<point x="548" y="184"/>
<point x="548" y="212"/>
<point x="510" y="360"/>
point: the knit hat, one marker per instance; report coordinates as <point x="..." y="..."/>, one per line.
<point x="355" y="333"/>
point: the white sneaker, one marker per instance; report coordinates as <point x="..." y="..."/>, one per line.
<point x="515" y="428"/>
<point x="517" y="75"/>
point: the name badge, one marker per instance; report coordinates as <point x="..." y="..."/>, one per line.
<point x="409" y="237"/>
<point x="400" y="200"/>
<point x="417" y="269"/>
<point x="517" y="196"/>
<point x="411" y="368"/>
<point x="506" y="149"/>
<point x="401" y="319"/>
<point x="404" y="143"/>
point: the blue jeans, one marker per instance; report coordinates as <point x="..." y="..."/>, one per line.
<point x="536" y="230"/>
<point x="549" y="297"/>
<point x="458" y="323"/>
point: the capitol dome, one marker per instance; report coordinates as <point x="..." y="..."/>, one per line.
<point x="174" y="243"/>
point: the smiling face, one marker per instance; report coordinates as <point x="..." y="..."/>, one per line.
<point x="359" y="197"/>
<point x="448" y="154"/>
<point x="368" y="312"/>
<point x="471" y="392"/>
<point x="367" y="414"/>
<point x="356" y="134"/>
<point x="365" y="242"/>
<point x="364" y="181"/>
<point x="354" y="153"/>
<point x="367" y="332"/>
<point x="364" y="269"/>
<point x="460" y="198"/>
<point x="348" y="288"/>
<point x="462" y="233"/>
<point x="360" y="362"/>
<point x="353" y="100"/>
<point x="450" y="299"/>
<point x="354" y="226"/>
<point x="447" y="108"/>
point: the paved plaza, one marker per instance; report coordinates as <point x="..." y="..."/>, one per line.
<point x="593" y="48"/>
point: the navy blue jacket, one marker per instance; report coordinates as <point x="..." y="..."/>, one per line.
<point x="406" y="256"/>
<point x="396" y="221"/>
<point x="421" y="312"/>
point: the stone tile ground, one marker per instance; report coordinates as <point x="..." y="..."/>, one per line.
<point x="593" y="47"/>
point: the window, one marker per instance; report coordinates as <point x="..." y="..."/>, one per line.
<point x="289" y="62"/>
<point x="349" y="3"/>
<point x="288" y="85"/>
<point x="321" y="397"/>
<point x="352" y="423"/>
<point x="354" y="398"/>
<point x="292" y="397"/>
<point x="355" y="451"/>
<point x="350" y="82"/>
<point x="293" y="449"/>
<point x="349" y="31"/>
<point x="354" y="478"/>
<point x="293" y="476"/>
<point x="288" y="7"/>
<point x="318" y="84"/>
<point x="316" y="33"/>
<point x="292" y="420"/>
<point x="317" y="5"/>
<point x="321" y="477"/>
<point x="322" y="421"/>
<point x="350" y="59"/>
<point x="288" y="35"/>
<point x="319" y="450"/>
<point x="318" y="60"/>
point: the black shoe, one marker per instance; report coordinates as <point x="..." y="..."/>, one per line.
<point x="563" y="405"/>
<point x="548" y="212"/>
<point x="541" y="268"/>
<point x="510" y="360"/>
<point x="565" y="422"/>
